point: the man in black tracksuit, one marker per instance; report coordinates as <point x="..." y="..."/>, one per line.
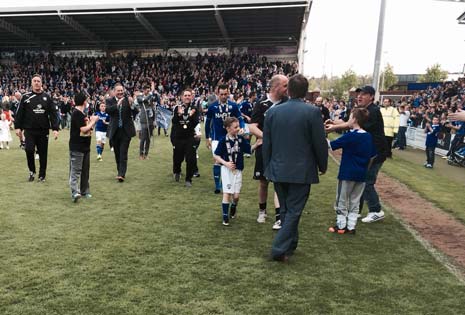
<point x="185" y="118"/>
<point x="36" y="114"/>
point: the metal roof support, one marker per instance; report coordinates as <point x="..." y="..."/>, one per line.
<point x="224" y="31"/>
<point x="78" y="27"/>
<point x="150" y="28"/>
<point x="23" y="34"/>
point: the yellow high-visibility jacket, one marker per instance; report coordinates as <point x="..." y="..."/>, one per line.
<point x="391" y="120"/>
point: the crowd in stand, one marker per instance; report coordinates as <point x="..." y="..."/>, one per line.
<point x="63" y="77"/>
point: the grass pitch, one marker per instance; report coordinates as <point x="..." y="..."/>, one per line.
<point x="151" y="246"/>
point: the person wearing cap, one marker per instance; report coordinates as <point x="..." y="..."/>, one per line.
<point x="375" y="126"/>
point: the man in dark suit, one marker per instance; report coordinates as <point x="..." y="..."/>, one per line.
<point x="122" y="128"/>
<point x="294" y="150"/>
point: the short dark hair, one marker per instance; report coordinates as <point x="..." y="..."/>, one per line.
<point x="297" y="86"/>
<point x="229" y="121"/>
<point x="37" y="75"/>
<point x="223" y="87"/>
<point x="360" y="114"/>
<point x="79" y="99"/>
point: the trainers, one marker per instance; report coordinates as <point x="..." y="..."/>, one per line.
<point x="336" y="229"/>
<point x="429" y="166"/>
<point x="177" y="176"/>
<point x="277" y="225"/>
<point x="99" y="157"/>
<point x="226" y="222"/>
<point x="196" y="174"/>
<point x="37" y="156"/>
<point x="87" y="196"/>
<point x="75" y="197"/>
<point x="188" y="184"/>
<point x="261" y="216"/>
<point x="373" y="217"/>
<point x="31" y="176"/>
<point x="41" y="179"/>
<point x="217" y="191"/>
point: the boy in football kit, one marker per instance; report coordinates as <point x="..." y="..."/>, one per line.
<point x="101" y="129"/>
<point x="230" y="155"/>
<point x="217" y="112"/>
<point x="358" y="152"/>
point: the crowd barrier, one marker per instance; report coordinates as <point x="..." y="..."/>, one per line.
<point x="416" y="138"/>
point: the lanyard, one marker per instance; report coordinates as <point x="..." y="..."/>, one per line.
<point x="234" y="150"/>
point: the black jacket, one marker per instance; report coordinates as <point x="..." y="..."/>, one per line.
<point x="38" y="112"/>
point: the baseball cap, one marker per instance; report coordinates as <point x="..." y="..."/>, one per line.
<point x="366" y="89"/>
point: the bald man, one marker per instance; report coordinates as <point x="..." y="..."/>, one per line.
<point x="322" y="107"/>
<point x="276" y="96"/>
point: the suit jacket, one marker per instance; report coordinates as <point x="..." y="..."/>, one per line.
<point x="294" y="143"/>
<point x="126" y="114"/>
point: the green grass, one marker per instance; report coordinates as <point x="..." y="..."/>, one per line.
<point x="150" y="246"/>
<point x="444" y="192"/>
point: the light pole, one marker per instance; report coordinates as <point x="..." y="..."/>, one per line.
<point x="379" y="48"/>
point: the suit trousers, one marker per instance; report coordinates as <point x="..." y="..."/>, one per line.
<point x="120" y="144"/>
<point x="184" y="149"/>
<point x="144" y="136"/>
<point x="39" y="140"/>
<point x="292" y="199"/>
<point x="79" y="166"/>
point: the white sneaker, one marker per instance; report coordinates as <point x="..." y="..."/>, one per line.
<point x="99" y="157"/>
<point x="277" y="225"/>
<point x="261" y="216"/>
<point x="373" y="217"/>
<point x="37" y="156"/>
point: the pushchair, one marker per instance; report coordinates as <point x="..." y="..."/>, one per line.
<point x="457" y="157"/>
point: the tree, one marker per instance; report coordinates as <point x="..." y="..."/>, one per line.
<point x="341" y="87"/>
<point x="388" y="77"/>
<point x="434" y="74"/>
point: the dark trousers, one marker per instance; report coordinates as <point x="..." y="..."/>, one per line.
<point x="196" y="147"/>
<point x="458" y="139"/>
<point x="292" y="199"/>
<point x="79" y="166"/>
<point x="120" y="144"/>
<point x="370" y="195"/>
<point x="401" y="142"/>
<point x="183" y="149"/>
<point x="144" y="136"/>
<point x="389" y="142"/>
<point x="430" y="155"/>
<point x="40" y="141"/>
<point x="163" y="130"/>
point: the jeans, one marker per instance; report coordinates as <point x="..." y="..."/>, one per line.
<point x="79" y="165"/>
<point x="401" y="139"/>
<point x="430" y="155"/>
<point x="370" y="195"/>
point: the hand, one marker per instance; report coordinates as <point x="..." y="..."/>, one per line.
<point x="180" y="110"/>
<point x="192" y="112"/>
<point x="230" y="165"/>
<point x="330" y="128"/>
<point x="241" y="131"/>
<point x="55" y="134"/>
<point x="457" y="116"/>
<point x="94" y="118"/>
<point x="209" y="144"/>
<point x="18" y="132"/>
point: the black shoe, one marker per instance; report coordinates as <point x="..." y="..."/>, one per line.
<point x="196" y="174"/>
<point x="217" y="191"/>
<point x="31" y="176"/>
<point x="232" y="212"/>
<point x="41" y="179"/>
<point x="177" y="176"/>
<point x="282" y="259"/>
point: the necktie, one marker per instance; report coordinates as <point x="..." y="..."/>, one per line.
<point x="120" y="118"/>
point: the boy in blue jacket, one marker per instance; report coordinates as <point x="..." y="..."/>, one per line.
<point x="358" y="151"/>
